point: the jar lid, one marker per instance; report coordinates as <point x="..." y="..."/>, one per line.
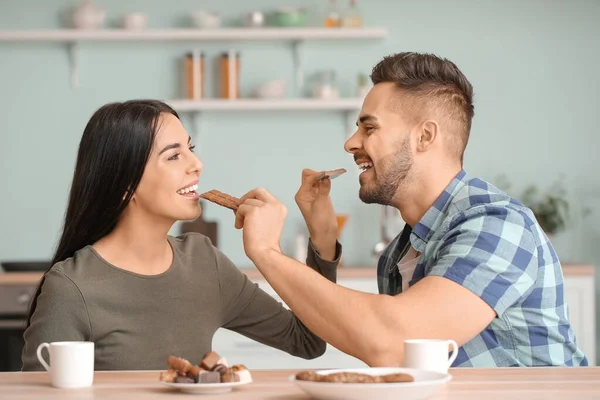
<point x="191" y="54"/>
<point x="226" y="53"/>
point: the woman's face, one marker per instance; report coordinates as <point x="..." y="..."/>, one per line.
<point x="169" y="185"/>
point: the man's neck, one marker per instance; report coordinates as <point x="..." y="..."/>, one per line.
<point x="422" y="191"/>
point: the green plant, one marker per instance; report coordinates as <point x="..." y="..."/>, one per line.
<point x="551" y="207"/>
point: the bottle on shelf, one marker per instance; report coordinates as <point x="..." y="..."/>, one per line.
<point x="194" y="75"/>
<point x="230" y="74"/>
<point x="333" y="15"/>
<point x="352" y="16"/>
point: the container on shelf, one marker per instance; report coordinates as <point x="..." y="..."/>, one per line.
<point x="194" y="75"/>
<point x="229" y="68"/>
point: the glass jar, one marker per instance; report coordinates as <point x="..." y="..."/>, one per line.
<point x="325" y="87"/>
<point x="194" y="75"/>
<point x="229" y="66"/>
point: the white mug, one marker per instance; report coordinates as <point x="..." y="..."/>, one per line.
<point x="71" y="363"/>
<point x="429" y="354"/>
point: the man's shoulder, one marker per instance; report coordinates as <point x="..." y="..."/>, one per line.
<point x="479" y="198"/>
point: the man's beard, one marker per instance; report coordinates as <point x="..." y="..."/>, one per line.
<point x="390" y="173"/>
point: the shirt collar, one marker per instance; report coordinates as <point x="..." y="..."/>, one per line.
<point x="436" y="214"/>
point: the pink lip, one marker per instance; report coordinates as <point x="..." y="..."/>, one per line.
<point x="188" y="185"/>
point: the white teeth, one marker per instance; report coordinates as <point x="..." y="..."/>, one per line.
<point x="365" y="165"/>
<point x="188" y="189"/>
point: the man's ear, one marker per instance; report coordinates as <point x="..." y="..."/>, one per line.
<point x="427" y="135"/>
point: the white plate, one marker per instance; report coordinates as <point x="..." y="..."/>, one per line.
<point x="425" y="383"/>
<point x="205" y="388"/>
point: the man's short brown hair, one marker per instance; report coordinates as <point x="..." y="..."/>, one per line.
<point x="435" y="86"/>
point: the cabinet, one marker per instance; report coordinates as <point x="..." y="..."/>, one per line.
<point x="579" y="293"/>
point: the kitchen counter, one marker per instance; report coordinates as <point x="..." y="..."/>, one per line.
<point x="499" y="383"/>
<point x="32" y="278"/>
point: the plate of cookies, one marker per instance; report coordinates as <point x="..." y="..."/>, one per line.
<point x="213" y="375"/>
<point x="375" y="383"/>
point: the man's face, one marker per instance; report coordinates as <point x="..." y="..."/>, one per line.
<point x="381" y="146"/>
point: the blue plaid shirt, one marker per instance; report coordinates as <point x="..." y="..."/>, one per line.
<point x="491" y="244"/>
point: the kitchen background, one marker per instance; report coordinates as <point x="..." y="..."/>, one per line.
<point x="533" y="65"/>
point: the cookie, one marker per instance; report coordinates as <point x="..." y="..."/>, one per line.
<point x="397" y="378"/>
<point x="169" y="375"/>
<point x="179" y="364"/>
<point x="349" y="377"/>
<point x="308" y="376"/>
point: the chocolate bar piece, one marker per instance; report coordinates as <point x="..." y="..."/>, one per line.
<point x="210" y="360"/>
<point x="222" y="199"/>
<point x="220" y="368"/>
<point x="230" y="376"/>
<point x="184" y="379"/>
<point x="331" y="174"/>
<point x="208" y="377"/>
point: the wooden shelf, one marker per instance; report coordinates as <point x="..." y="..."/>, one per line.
<point x="72" y="38"/>
<point x="266" y="105"/>
<point x="238" y="34"/>
<point x="349" y="107"/>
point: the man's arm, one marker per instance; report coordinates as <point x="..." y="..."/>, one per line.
<point x="485" y="264"/>
<point x="372" y="327"/>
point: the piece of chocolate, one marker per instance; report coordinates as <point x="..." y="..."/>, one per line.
<point x="184" y="379"/>
<point x="230" y="376"/>
<point x="209" y="377"/>
<point x="169" y="375"/>
<point x="220" y="368"/>
<point x="331" y="174"/>
<point x="222" y="199"/>
<point x="210" y="360"/>
<point x="194" y="371"/>
<point x="223" y="361"/>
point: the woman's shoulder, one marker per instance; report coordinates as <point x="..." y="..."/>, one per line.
<point x="73" y="267"/>
<point x="194" y="245"/>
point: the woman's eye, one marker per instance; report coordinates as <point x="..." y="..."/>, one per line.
<point x="174" y="157"/>
<point x="192" y="147"/>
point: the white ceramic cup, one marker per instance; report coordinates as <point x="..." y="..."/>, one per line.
<point x="134" y="21"/>
<point x="429" y="354"/>
<point x="71" y="363"/>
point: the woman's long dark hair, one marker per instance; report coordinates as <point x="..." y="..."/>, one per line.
<point x="113" y="153"/>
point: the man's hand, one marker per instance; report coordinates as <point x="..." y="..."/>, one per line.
<point x="316" y="208"/>
<point x="262" y="217"/>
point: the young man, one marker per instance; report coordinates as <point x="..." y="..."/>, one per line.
<point x="472" y="264"/>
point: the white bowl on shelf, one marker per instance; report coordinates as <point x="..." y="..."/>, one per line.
<point x="205" y="19"/>
<point x="274" y="89"/>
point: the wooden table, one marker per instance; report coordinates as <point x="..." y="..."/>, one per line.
<point x="467" y="383"/>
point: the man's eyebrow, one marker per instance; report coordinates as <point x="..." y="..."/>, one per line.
<point x="366" y="117"/>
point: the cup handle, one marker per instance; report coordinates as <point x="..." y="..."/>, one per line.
<point x="39" y="355"/>
<point x="454" y="352"/>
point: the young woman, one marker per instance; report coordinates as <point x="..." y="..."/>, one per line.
<point x="119" y="280"/>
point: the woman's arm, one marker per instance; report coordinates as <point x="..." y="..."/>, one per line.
<point x="60" y="315"/>
<point x="248" y="310"/>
